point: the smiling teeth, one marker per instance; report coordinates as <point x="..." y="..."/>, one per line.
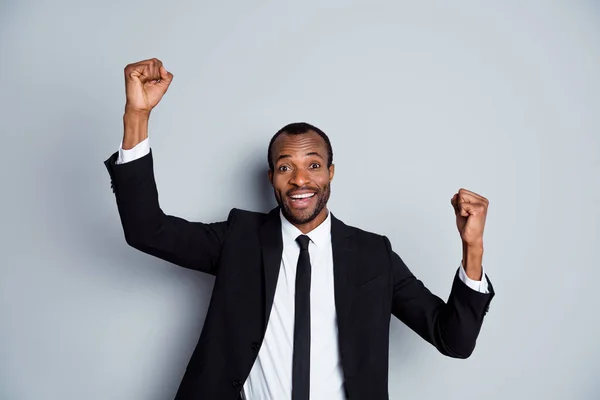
<point x="303" y="196"/>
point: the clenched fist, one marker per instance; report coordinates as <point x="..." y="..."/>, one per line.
<point x="146" y="82"/>
<point x="471" y="211"/>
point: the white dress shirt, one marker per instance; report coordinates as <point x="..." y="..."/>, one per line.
<point x="271" y="374"/>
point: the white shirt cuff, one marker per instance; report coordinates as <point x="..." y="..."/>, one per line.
<point x="138" y="151"/>
<point x="479" y="286"/>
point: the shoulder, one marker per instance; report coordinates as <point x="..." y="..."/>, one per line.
<point x="246" y="217"/>
<point x="362" y="236"/>
<point x="246" y="214"/>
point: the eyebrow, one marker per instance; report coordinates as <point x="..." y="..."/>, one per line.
<point x="312" y="153"/>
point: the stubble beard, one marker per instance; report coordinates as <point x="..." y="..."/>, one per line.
<point x="302" y="217"/>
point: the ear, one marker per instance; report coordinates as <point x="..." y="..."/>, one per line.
<point x="331" y="172"/>
<point x="270" y="176"/>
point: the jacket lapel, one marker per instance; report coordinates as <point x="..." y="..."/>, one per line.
<point x="344" y="266"/>
<point x="344" y="262"/>
<point x="272" y="247"/>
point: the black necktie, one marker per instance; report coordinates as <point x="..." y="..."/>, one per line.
<point x="301" y="358"/>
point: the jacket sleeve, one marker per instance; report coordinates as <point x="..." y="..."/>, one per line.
<point x="452" y="326"/>
<point x="147" y="228"/>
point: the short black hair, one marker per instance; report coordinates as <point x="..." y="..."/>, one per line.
<point x="299" y="128"/>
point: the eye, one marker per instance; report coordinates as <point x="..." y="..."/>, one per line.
<point x="283" y="168"/>
<point x="315" y="165"/>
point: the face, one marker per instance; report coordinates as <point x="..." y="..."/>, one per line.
<point x="301" y="179"/>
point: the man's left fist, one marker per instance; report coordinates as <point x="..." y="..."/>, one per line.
<point x="471" y="210"/>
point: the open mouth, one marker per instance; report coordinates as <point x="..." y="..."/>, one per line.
<point x="302" y="200"/>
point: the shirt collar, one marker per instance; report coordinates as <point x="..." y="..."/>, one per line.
<point x="320" y="236"/>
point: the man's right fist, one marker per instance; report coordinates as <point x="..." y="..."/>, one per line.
<point x="145" y="84"/>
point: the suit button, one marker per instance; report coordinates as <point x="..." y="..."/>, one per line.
<point x="236" y="383"/>
<point x="256" y="346"/>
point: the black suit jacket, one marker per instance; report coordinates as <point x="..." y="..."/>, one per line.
<point x="371" y="283"/>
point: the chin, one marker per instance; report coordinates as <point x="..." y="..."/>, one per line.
<point x="301" y="216"/>
<point x="298" y="216"/>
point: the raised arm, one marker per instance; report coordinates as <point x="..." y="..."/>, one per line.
<point x="452" y="326"/>
<point x="146" y="227"/>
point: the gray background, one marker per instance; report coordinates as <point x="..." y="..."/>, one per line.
<point x="419" y="99"/>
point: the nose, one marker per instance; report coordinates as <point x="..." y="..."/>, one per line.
<point x="300" y="177"/>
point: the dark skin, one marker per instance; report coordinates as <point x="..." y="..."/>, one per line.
<point x="301" y="180"/>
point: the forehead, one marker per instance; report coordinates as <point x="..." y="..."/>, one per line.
<point x="302" y="143"/>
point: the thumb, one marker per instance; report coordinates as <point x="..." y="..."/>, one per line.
<point x="165" y="76"/>
<point x="463" y="211"/>
<point x="467" y="209"/>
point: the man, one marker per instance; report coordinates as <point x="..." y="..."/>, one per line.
<point x="301" y="304"/>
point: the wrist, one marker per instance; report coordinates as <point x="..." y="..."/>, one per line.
<point x="473" y="247"/>
<point x="132" y="113"/>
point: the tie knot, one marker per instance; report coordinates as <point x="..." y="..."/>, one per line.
<point x="303" y="242"/>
